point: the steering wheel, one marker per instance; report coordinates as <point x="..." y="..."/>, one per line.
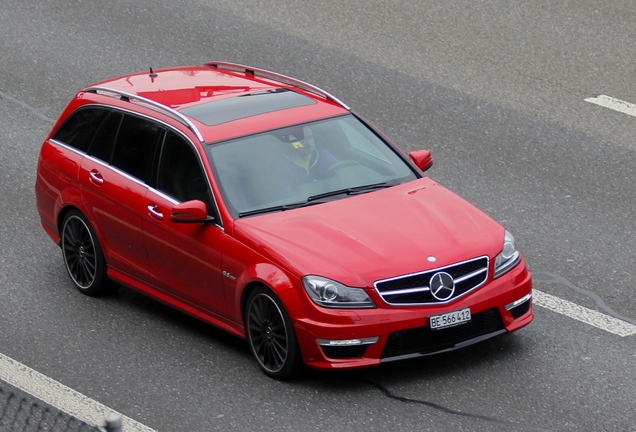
<point x="339" y="165"/>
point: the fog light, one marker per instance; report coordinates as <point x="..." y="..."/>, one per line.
<point x="347" y="342"/>
<point x="516" y="303"/>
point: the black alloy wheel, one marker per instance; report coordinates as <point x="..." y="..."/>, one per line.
<point x="83" y="255"/>
<point x="271" y="336"/>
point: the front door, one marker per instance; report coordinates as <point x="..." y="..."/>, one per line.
<point x="184" y="259"/>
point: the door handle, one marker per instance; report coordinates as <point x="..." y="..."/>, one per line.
<point x="95" y="177"/>
<point x="155" y="212"/>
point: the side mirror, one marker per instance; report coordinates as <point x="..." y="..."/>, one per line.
<point x="194" y="211"/>
<point x="422" y="159"/>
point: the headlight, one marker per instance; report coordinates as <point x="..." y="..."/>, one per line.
<point x="328" y="293"/>
<point x="509" y="256"/>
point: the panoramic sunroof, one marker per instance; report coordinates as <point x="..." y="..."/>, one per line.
<point x="247" y="105"/>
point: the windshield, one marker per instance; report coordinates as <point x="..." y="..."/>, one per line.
<point x="302" y="165"/>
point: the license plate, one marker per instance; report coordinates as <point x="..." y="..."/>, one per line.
<point x="449" y="319"/>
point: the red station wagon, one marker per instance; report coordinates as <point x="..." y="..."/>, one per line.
<point x="265" y="206"/>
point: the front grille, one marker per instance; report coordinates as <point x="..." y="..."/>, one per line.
<point x="414" y="289"/>
<point x="423" y="340"/>
<point x="339" y="352"/>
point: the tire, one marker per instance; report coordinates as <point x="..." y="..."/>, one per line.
<point x="271" y="336"/>
<point x="83" y="255"/>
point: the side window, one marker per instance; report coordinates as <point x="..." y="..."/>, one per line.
<point x="135" y="147"/>
<point x="180" y="173"/>
<point x="102" y="147"/>
<point x="80" y="128"/>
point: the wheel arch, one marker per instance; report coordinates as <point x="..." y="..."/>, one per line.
<point x="270" y="332"/>
<point x="65" y="210"/>
<point x="86" y="265"/>
<point x="245" y="295"/>
<point x="68" y="199"/>
<point x="271" y="277"/>
<point x="62" y="215"/>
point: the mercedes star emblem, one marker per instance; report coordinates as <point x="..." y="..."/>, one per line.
<point x="442" y="286"/>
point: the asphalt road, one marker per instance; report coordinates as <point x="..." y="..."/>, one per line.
<point x="494" y="88"/>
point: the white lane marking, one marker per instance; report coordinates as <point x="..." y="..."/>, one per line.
<point x="92" y="412"/>
<point x="614" y="104"/>
<point x="61" y="397"/>
<point x="583" y="314"/>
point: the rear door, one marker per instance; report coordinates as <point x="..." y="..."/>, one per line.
<point x="119" y="161"/>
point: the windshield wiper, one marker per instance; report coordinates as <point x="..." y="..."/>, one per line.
<point x="315" y="199"/>
<point x="350" y="191"/>
<point x="281" y="207"/>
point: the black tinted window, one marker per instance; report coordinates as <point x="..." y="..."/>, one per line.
<point x="102" y="147"/>
<point x="80" y="128"/>
<point x="180" y="173"/>
<point x="135" y="146"/>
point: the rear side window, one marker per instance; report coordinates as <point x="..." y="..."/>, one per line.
<point x="102" y="147"/>
<point x="80" y="128"/>
<point x="136" y="145"/>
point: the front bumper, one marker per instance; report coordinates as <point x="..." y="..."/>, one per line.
<point x="342" y="339"/>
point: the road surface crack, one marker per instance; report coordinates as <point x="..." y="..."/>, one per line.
<point x="556" y="279"/>
<point x="446" y="410"/>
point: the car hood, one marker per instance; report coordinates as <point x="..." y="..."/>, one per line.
<point x="381" y="234"/>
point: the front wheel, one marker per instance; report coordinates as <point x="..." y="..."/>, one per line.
<point x="83" y="255"/>
<point x="271" y="336"/>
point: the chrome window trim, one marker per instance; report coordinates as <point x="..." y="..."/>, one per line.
<point x="135" y="179"/>
<point x="117" y="170"/>
<point x="141" y="183"/>
<point x="68" y="147"/>
<point x="216" y="222"/>
<point x="153" y="104"/>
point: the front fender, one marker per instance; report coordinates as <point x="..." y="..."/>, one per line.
<point x="244" y="269"/>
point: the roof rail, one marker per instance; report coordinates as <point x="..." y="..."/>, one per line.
<point x="280" y="78"/>
<point x="152" y="104"/>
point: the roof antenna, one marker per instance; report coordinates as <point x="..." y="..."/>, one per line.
<point x="152" y="73"/>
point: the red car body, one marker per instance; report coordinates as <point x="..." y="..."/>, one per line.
<point x="410" y="232"/>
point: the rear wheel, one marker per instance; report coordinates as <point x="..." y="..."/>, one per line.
<point x="271" y="336"/>
<point x="83" y="255"/>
